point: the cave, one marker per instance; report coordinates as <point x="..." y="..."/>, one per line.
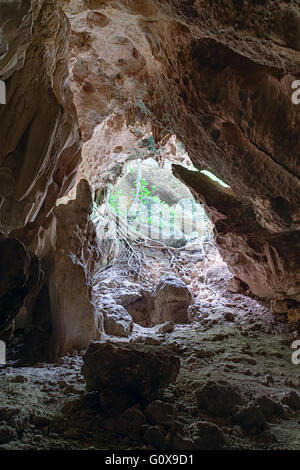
<point x="149" y="225"/>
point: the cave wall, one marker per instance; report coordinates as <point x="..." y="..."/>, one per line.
<point x="75" y="318"/>
<point x="40" y="149"/>
<point x="217" y="74"/>
<point x="40" y="138"/>
<point x="20" y="282"/>
<point x="268" y="263"/>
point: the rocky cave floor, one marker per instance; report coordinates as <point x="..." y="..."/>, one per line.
<point x="233" y="342"/>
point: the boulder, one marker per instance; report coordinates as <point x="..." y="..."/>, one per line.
<point x="251" y="419"/>
<point x="269" y="407"/>
<point x="131" y="419"/>
<point x="154" y="437"/>
<point x="294" y="315"/>
<point x="234" y="285"/>
<point x="179" y="442"/>
<point x="291" y="399"/>
<point x="167" y="327"/>
<point x="117" y="321"/>
<point x="128" y="422"/>
<point x="208" y="436"/>
<point x="172" y="299"/>
<point x="217" y="400"/>
<point x="7" y="434"/>
<point x="141" y="307"/>
<point x="159" y="412"/>
<point x="126" y="374"/>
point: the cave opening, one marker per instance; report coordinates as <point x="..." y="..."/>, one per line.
<point x="150" y="228"/>
<point x="152" y="234"/>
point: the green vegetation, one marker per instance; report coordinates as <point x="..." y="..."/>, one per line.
<point x="114" y="202"/>
<point x="142" y="200"/>
<point x="139" y="204"/>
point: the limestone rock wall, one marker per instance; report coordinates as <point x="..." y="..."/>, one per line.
<point x="20" y="282"/>
<point x="217" y="74"/>
<point x="268" y="263"/>
<point x="40" y="149"/>
<point x="39" y="139"/>
<point x="75" y="318"/>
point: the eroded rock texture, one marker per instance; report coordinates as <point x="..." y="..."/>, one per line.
<point x="126" y="374"/>
<point x="117" y="321"/>
<point x="20" y="281"/>
<point x="172" y="299"/>
<point x="217" y="74"/>
<point x="39" y="153"/>
<point x="75" y="318"/>
<point x="269" y="263"/>
<point x="39" y="139"/>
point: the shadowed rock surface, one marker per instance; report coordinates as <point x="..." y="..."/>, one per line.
<point x="126" y="374"/>
<point x="20" y="281"/>
<point x="121" y="78"/>
<point x="268" y="262"/>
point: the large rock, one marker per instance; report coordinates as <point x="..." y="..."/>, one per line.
<point x="128" y="422"/>
<point x="172" y="299"/>
<point x="217" y="399"/>
<point x="141" y="307"/>
<point x="291" y="399"/>
<point x="117" y="321"/>
<point x="269" y="407"/>
<point x="159" y="412"/>
<point x="251" y="419"/>
<point x="125" y="374"/>
<point x="208" y="436"/>
<point x="7" y="434"/>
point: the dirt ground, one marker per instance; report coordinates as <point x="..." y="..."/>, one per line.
<point x="232" y="341"/>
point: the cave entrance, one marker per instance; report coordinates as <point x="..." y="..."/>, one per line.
<point x="156" y="242"/>
<point x="149" y="204"/>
